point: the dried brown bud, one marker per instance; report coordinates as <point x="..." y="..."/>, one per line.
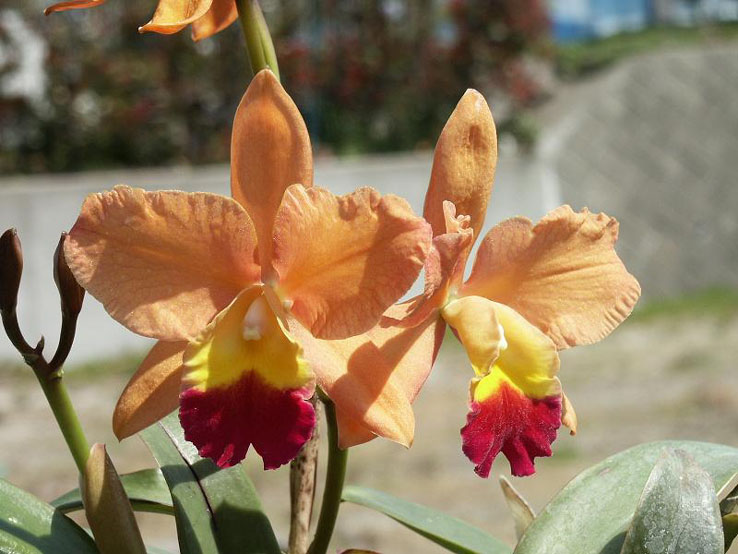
<point x="11" y="269"/>
<point x="70" y="292"/>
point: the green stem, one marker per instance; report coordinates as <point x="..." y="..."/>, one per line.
<point x="267" y="44"/>
<point x="248" y="11"/>
<point x="335" y="475"/>
<point x="66" y="417"/>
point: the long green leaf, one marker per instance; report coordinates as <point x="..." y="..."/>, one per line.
<point x="593" y="512"/>
<point x="146" y="489"/>
<point x="31" y="526"/>
<point x="678" y="510"/>
<point x="217" y="510"/>
<point x="449" y="532"/>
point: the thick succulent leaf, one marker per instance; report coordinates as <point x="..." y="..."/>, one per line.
<point x="678" y="510"/>
<point x="217" y="510"/>
<point x="146" y="489"/>
<point x="452" y="534"/>
<point x="520" y="510"/>
<point x="730" y="529"/>
<point x="30" y="526"/>
<point x="593" y="512"/>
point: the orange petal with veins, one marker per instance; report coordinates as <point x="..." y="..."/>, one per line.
<point x="152" y="392"/>
<point x="172" y="16"/>
<point x="220" y="15"/>
<point x="563" y="274"/>
<point x="409" y="352"/>
<point x="343" y="260"/>
<point x="162" y="263"/>
<point x="72" y="5"/>
<point x="359" y="377"/>
<point x="270" y="150"/>
<point x="463" y="164"/>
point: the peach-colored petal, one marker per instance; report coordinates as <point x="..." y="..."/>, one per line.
<point x="568" y="415"/>
<point x="563" y="275"/>
<point x="172" y="16"/>
<point x="220" y="15"/>
<point x="72" y="5"/>
<point x="270" y="150"/>
<point x="343" y="260"/>
<point x="444" y="267"/>
<point x="410" y="352"/>
<point x="162" y="263"/>
<point x="463" y="164"/>
<point x="152" y="392"/>
<point x="356" y="376"/>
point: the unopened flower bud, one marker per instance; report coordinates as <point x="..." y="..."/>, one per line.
<point x="11" y="269"/>
<point x="70" y="292"/>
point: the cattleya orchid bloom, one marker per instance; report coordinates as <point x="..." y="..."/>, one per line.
<point x="206" y="17"/>
<point x="533" y="290"/>
<point x="245" y="294"/>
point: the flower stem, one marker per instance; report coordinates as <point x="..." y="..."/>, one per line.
<point x="61" y="405"/>
<point x="335" y="475"/>
<point x="259" y="44"/>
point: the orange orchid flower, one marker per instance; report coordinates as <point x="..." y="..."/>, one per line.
<point x="533" y="290"/>
<point x="206" y="17"/>
<point x="244" y="293"/>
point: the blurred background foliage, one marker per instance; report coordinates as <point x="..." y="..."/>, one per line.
<point x="369" y="76"/>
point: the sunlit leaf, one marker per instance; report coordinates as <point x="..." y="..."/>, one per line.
<point x="520" y="510"/>
<point x="217" y="510"/>
<point x="678" y="510"/>
<point x="593" y="512"/>
<point x="107" y="507"/>
<point x="449" y="532"/>
<point x="30" y="526"/>
<point x="146" y="489"/>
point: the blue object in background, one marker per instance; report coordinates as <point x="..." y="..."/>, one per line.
<point x="578" y="20"/>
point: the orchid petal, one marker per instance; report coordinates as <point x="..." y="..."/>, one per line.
<point x="563" y="274"/>
<point x="72" y="5"/>
<point x="463" y="164"/>
<point x="358" y="379"/>
<point x="343" y="260"/>
<point x="172" y="16"/>
<point x="220" y="15"/>
<point x="411" y="353"/>
<point x="568" y="415"/>
<point x="270" y="150"/>
<point x="152" y="392"/>
<point x="246" y="383"/>
<point x="162" y="263"/>
<point x="516" y="407"/>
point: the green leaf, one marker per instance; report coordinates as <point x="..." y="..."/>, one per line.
<point x="521" y="512"/>
<point x="107" y="508"/>
<point x="449" y="532"/>
<point x="146" y="489"/>
<point x="592" y="513"/>
<point x="30" y="526"/>
<point x="217" y="510"/>
<point x="678" y="510"/>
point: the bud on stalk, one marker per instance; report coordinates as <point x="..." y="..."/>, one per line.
<point x="11" y="268"/>
<point x="70" y="292"/>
